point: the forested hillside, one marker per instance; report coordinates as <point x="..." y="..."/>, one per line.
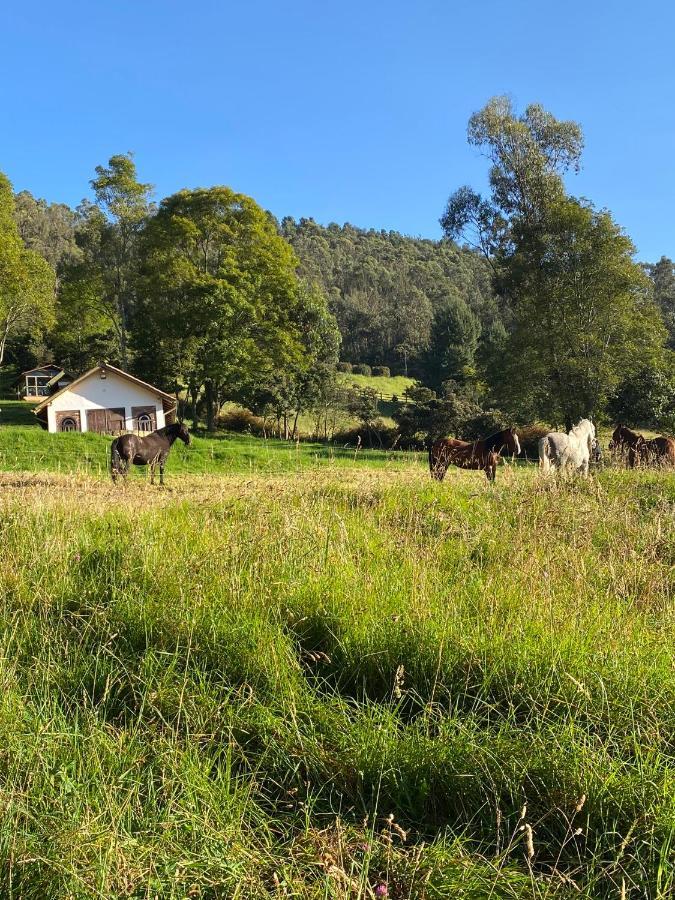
<point x="392" y="294"/>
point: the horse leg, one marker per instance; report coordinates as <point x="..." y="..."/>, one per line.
<point x="161" y="470"/>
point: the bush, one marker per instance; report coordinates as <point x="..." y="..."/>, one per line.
<point x="379" y="435"/>
<point x="345" y="367"/>
<point x="362" y="369"/>
<point x="241" y="421"/>
<point x="382" y="371"/>
<point x="529" y="438"/>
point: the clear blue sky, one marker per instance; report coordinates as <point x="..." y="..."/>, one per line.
<point x="343" y="111"/>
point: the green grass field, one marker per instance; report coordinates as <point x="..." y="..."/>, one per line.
<point x="394" y="385"/>
<point x="25" y="447"/>
<point x="332" y="679"/>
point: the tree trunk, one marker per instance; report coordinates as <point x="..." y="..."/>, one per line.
<point x="210" y="406"/>
<point x="194" y="394"/>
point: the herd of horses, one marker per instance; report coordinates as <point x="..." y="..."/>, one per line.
<point x="567" y="452"/>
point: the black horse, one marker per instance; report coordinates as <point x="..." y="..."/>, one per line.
<point x="151" y="450"/>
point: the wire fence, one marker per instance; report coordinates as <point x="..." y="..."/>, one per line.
<point x="258" y="455"/>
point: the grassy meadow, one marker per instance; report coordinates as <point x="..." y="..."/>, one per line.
<point x="336" y="680"/>
<point x="25" y="447"/>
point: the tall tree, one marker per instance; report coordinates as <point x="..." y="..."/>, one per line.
<point x="579" y="309"/>
<point x="663" y="277"/>
<point x="108" y="233"/>
<point x="454" y="340"/>
<point x="26" y="279"/>
<point x="221" y="306"/>
<point x="583" y="314"/>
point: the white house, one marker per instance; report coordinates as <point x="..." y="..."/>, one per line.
<point x="106" y="399"/>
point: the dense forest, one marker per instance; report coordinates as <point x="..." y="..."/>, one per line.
<point x="531" y="307"/>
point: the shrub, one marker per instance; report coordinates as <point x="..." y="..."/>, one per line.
<point x="379" y="435"/>
<point x="362" y="369"/>
<point x="382" y="371"/>
<point x="529" y="437"/>
<point x="241" y="421"/>
<point x="345" y="367"/>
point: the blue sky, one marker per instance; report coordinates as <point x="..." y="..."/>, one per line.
<point x="344" y="111"/>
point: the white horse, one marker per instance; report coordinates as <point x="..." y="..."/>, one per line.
<point x="568" y="452"/>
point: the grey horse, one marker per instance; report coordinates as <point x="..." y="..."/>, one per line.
<point x="568" y="452"/>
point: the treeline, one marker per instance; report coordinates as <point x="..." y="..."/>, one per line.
<point x="531" y="308"/>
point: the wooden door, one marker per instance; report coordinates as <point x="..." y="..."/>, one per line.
<point x="106" y="421"/>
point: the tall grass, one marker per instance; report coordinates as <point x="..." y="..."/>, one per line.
<point x="337" y="685"/>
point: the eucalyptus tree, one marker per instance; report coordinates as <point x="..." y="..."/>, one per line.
<point x="580" y="310"/>
<point x="102" y="280"/>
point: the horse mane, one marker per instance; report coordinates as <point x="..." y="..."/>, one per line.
<point x="169" y="429"/>
<point x="491" y="442"/>
<point x="624" y="429"/>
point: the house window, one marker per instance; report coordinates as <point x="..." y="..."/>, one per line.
<point x="144" y="423"/>
<point x="69" y="424"/>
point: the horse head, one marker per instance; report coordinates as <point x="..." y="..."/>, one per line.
<point x="183" y="433"/>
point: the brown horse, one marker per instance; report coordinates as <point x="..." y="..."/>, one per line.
<point x="151" y="450"/>
<point x="659" y="450"/>
<point x="482" y="454"/>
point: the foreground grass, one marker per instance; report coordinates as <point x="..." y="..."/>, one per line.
<point x="228" y="687"/>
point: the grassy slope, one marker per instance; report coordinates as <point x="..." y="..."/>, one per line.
<point x="16" y="412"/>
<point x="224" y="688"/>
<point x="396" y="384"/>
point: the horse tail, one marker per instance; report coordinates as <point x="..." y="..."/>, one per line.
<point x="115" y="461"/>
<point x="544" y="454"/>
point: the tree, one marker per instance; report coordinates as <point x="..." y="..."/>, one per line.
<point x="304" y="387"/>
<point x="47" y="228"/>
<point x="579" y="310"/>
<point x="26" y="280"/>
<point x="528" y="155"/>
<point x="646" y="398"/>
<point x="429" y="416"/>
<point x="663" y="277"/>
<point x="220" y="305"/>
<point x="108" y="232"/>
<point x="583" y="314"/>
<point x="454" y="339"/>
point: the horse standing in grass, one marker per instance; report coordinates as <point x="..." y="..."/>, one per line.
<point x="659" y="450"/>
<point x="151" y="450"/>
<point x="568" y="452"/>
<point x="482" y="454"/>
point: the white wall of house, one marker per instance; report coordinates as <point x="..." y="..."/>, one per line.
<point x="109" y="393"/>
